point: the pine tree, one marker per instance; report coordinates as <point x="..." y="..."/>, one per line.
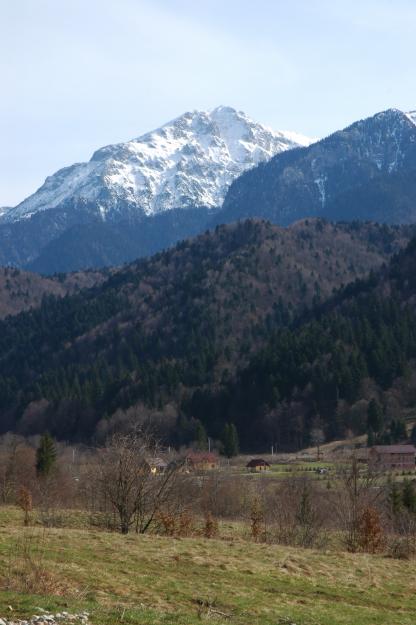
<point x="229" y="440"/>
<point x="370" y="438"/>
<point x="201" y="436"/>
<point x="45" y="455"/>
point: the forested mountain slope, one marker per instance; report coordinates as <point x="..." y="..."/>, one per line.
<point x="22" y="290"/>
<point x="322" y="372"/>
<point x="160" y="329"/>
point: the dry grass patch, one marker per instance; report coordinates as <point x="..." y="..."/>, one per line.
<point x="28" y="569"/>
<point x="153" y="580"/>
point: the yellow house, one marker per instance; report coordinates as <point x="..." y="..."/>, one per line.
<point x="258" y="465"/>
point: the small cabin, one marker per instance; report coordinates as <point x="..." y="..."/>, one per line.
<point x="393" y="457"/>
<point x="258" y="465"/>
<point x="202" y="461"/>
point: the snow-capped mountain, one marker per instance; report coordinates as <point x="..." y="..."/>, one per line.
<point x="189" y="162"/>
<point x="133" y="199"/>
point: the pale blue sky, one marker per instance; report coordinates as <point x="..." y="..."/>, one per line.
<point x="79" y="74"/>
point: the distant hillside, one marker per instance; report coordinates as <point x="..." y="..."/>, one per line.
<point x="161" y="331"/>
<point x="22" y="290"/>
<point x="103" y="244"/>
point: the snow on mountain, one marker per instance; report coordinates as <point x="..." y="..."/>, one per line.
<point x="412" y="116"/>
<point x="189" y="162"/>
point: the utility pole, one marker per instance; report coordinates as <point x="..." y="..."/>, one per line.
<point x="209" y="444"/>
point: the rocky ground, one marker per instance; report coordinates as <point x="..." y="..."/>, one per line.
<point x="62" y="618"/>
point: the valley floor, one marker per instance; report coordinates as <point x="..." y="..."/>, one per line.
<point x="153" y="580"/>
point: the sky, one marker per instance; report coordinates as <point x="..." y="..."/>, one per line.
<point x="79" y="74"/>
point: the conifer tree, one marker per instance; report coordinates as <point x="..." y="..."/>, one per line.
<point x="229" y="440"/>
<point x="201" y="436"/>
<point x="370" y="438"/>
<point x="45" y="455"/>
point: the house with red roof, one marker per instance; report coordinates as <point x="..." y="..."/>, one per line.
<point x="202" y="461"/>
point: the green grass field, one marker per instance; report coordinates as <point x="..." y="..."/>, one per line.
<point x="284" y="470"/>
<point x="155" y="580"/>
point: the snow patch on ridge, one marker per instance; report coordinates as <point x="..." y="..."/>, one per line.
<point x="412" y="116"/>
<point x="320" y="183"/>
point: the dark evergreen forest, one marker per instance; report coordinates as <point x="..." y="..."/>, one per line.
<point x="276" y="332"/>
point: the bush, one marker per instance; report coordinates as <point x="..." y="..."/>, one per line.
<point x="402" y="548"/>
<point x="257" y="526"/>
<point x="211" y="526"/>
<point x="370" y="531"/>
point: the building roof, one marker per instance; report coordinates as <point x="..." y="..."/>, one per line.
<point x="257" y="462"/>
<point x="395" y="449"/>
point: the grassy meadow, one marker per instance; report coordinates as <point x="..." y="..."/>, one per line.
<point x="155" y="580"/>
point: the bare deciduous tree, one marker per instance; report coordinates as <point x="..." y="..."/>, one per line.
<point x="358" y="491"/>
<point x="317" y="438"/>
<point x="16" y="466"/>
<point x="125" y="477"/>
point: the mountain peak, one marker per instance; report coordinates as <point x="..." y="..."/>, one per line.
<point x="188" y="162"/>
<point x="391" y="114"/>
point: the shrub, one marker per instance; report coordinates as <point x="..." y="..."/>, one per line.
<point x="257" y="520"/>
<point x="211" y="526"/>
<point x="370" y="531"/>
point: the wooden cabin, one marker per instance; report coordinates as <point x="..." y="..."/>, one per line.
<point x="258" y="465"/>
